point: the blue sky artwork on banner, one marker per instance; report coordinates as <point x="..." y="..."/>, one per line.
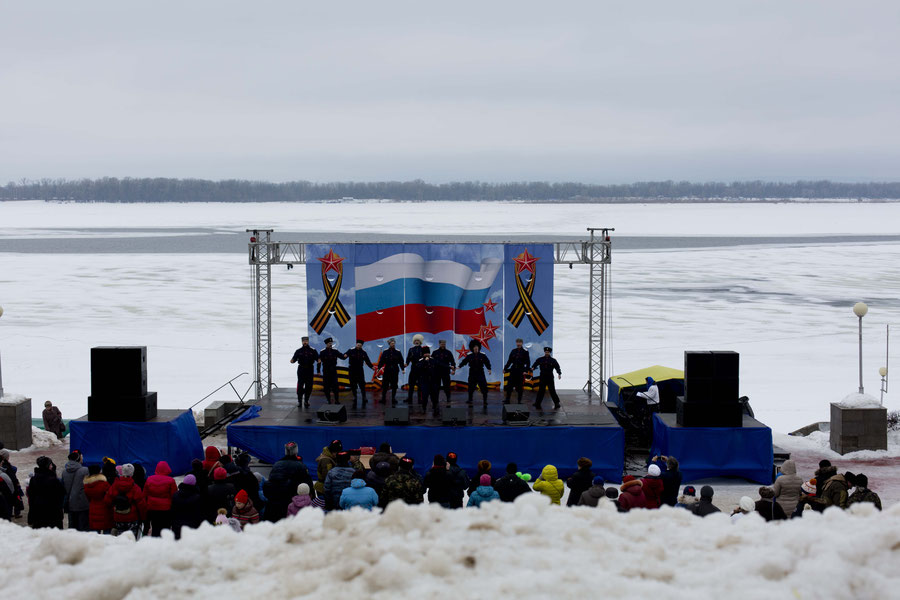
<point x="452" y="292"/>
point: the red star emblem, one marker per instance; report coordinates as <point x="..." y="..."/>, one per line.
<point x="524" y="262"/>
<point x="332" y="261"/>
<point x="489" y="305"/>
<point x="462" y="352"/>
<point x="489" y="331"/>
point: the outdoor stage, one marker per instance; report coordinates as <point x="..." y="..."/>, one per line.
<point x="581" y="427"/>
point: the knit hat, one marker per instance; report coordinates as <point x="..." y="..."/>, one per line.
<point x="406" y="463"/>
<point x="127" y="470"/>
<point x="485" y="479"/>
<point x="512" y="468"/>
<point x="598" y="480"/>
<point x="653" y="471"/>
<point x="303" y="489"/>
<point x="440" y="461"/>
<point x="612" y="493"/>
<point x="584" y="463"/>
<point x="747" y="504"/>
<point x="343" y="458"/>
<point x="190" y="480"/>
<point x="220" y="474"/>
<point x="222" y="520"/>
<point x="242" y="497"/>
<point x="766" y="493"/>
<point x="4" y="454"/>
<point x="119" y="470"/>
<point x="706" y="491"/>
<point x="809" y="487"/>
<point x="451" y="458"/>
<point x="290" y="449"/>
<point x="335" y="446"/>
<point x="689" y="490"/>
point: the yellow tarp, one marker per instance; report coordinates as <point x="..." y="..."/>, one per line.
<point x="639" y="377"/>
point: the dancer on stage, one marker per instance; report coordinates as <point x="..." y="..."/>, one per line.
<point x="547" y="364"/>
<point x="392" y="362"/>
<point x="413" y="356"/>
<point x="306" y="358"/>
<point x="429" y="381"/>
<point x="445" y="366"/>
<point x="328" y="366"/>
<point x="518" y="363"/>
<point x="357" y="357"/>
<point x="477" y="362"/>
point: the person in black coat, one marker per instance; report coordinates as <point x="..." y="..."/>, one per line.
<point x="287" y="473"/>
<point x="518" y="362"/>
<point x="477" y="363"/>
<point x="375" y="479"/>
<point x="511" y="486"/>
<point x="357" y="359"/>
<point x="547" y="364"/>
<point x="46" y="495"/>
<point x="671" y="478"/>
<point x="244" y="479"/>
<point x="328" y="358"/>
<point x="200" y="475"/>
<point x="392" y="362"/>
<point x="188" y="506"/>
<point x="219" y="495"/>
<point x="580" y="481"/>
<point x="767" y="507"/>
<point x="413" y="356"/>
<point x="306" y="358"/>
<point x="429" y="381"/>
<point x="459" y="480"/>
<point x="438" y="484"/>
<point x="445" y="366"/>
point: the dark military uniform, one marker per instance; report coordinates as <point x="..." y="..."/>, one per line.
<point x="329" y="358"/>
<point x="306" y="358"/>
<point x="443" y="364"/>
<point x="429" y="382"/>
<point x="415" y="372"/>
<point x="357" y="358"/>
<point x="864" y="495"/>
<point x="391" y="360"/>
<point x="477" y="363"/>
<point x="547" y="365"/>
<point x="518" y="363"/>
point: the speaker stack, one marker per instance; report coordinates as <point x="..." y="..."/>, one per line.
<point x="119" y="385"/>
<point x="711" y="390"/>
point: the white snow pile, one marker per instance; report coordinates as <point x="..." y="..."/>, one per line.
<point x="41" y="438"/>
<point x="857" y="400"/>
<point x="11" y="398"/>
<point x="523" y="550"/>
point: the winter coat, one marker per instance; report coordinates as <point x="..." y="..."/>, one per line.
<point x="550" y="485"/>
<point x="324" y="463"/>
<point x="298" y="502"/>
<point x="376" y="477"/>
<point x="188" y="509"/>
<point x="822" y="477"/>
<point x="484" y="493"/>
<point x="73" y="481"/>
<point x="7" y="496"/>
<point x="459" y="483"/>
<point x="53" y="421"/>
<point x="159" y="488"/>
<point x="389" y="457"/>
<point x="592" y="496"/>
<point x="787" y="487"/>
<point x="439" y="486"/>
<point x="835" y="492"/>
<point x="220" y="494"/>
<point x="864" y="495"/>
<point x="578" y="483"/>
<point x="289" y="468"/>
<point x="45" y="499"/>
<point x="632" y="496"/>
<point x="770" y="510"/>
<point x="99" y="511"/>
<point x="671" y="484"/>
<point x="510" y="487"/>
<point x="202" y="477"/>
<point x="403" y="485"/>
<point x="244" y="479"/>
<point x="132" y="507"/>
<point x="337" y="480"/>
<point x="653" y="490"/>
<point x="688" y="502"/>
<point x="248" y="515"/>
<point x="705" y="507"/>
<point x="476" y="481"/>
<point x="358" y="495"/>
<point x="212" y="460"/>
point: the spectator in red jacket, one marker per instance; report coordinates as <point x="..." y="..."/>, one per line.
<point x="99" y="512"/>
<point x="127" y="501"/>
<point x="158" y="492"/>
<point x="632" y="495"/>
<point x="653" y="487"/>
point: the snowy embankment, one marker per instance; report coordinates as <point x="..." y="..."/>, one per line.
<point x="528" y="549"/>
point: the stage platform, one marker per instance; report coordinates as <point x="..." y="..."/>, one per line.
<point x="172" y="436"/>
<point x="581" y="427"/>
<point x="716" y="451"/>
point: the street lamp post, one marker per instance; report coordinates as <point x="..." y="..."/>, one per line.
<point x="1" y="365"/>
<point x="860" y="309"/>
<point x="883" y="372"/>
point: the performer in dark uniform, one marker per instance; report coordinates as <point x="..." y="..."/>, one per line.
<point x="358" y="357"/>
<point x="518" y="363"/>
<point x="547" y="364"/>
<point x="477" y="363"/>
<point x="306" y="358"/>
<point x="415" y="374"/>
<point x="429" y="380"/>
<point x="444" y="365"/>
<point x="328" y="366"/>
<point x="391" y="361"/>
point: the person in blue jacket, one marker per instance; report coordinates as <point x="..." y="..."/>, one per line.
<point x="358" y="494"/>
<point x="483" y="493"/>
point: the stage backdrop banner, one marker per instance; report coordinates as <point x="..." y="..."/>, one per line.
<point x="492" y="293"/>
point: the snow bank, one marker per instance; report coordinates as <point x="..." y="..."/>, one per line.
<point x="858" y="400"/>
<point x="42" y="439"/>
<point x="525" y="550"/>
<point x="11" y="398"/>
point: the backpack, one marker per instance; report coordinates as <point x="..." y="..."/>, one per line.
<point x="122" y="504"/>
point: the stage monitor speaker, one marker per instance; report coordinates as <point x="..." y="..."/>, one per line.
<point x="699" y="389"/>
<point x="715" y="414"/>
<point x="726" y="365"/>
<point x="516" y="414"/>
<point x="121" y="408"/>
<point x="118" y="371"/>
<point x="454" y="416"/>
<point x="398" y="415"/>
<point x="332" y="413"/>
<point x="699" y="364"/>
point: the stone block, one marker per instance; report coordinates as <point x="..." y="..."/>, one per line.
<point x="213" y="413"/>
<point x="855" y="429"/>
<point x="15" y="424"/>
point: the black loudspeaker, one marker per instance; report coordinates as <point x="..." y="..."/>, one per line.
<point x="118" y="371"/>
<point x="122" y="408"/>
<point x="705" y="414"/>
<point x="515" y="414"/>
<point x="398" y="415"/>
<point x="332" y="413"/>
<point x="726" y="365"/>
<point x="454" y="416"/>
<point x="711" y="377"/>
<point x="699" y="364"/>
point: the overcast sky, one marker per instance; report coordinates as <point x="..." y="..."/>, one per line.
<point x="592" y="91"/>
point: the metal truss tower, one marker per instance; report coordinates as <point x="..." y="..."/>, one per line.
<point x="261" y="284"/>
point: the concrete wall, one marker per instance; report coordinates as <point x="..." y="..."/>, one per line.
<point x="855" y="429"/>
<point x="15" y="424"/>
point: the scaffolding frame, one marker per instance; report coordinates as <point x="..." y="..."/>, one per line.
<point x="596" y="252"/>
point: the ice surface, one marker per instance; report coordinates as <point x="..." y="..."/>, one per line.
<point x="857" y="400"/>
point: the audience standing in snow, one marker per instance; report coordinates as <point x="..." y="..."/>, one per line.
<point x="652" y="486"/>
<point x="705" y="505"/>
<point x="549" y="484"/>
<point x="437" y="483"/>
<point x="671" y="478"/>
<point x="46" y="496"/>
<point x="404" y="485"/>
<point x="301" y="500"/>
<point x="787" y="487"/>
<point x="158" y="492"/>
<point x="862" y="493"/>
<point x="358" y="494"/>
<point x="244" y="511"/>
<point x="484" y="492"/>
<point x="127" y="501"/>
<point x="744" y="508"/>
<point x="459" y="480"/>
<point x="11" y="472"/>
<point x="76" y="502"/>
<point x="767" y="507"/>
<point x="631" y="494"/>
<point x="100" y="518"/>
<point x="688" y="498"/>
<point x="580" y="481"/>
<point x="594" y="494"/>
<point x="188" y="508"/>
<point x="337" y="480"/>
<point x="511" y="485"/>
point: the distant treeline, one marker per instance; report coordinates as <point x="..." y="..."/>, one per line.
<point x="111" y="189"/>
